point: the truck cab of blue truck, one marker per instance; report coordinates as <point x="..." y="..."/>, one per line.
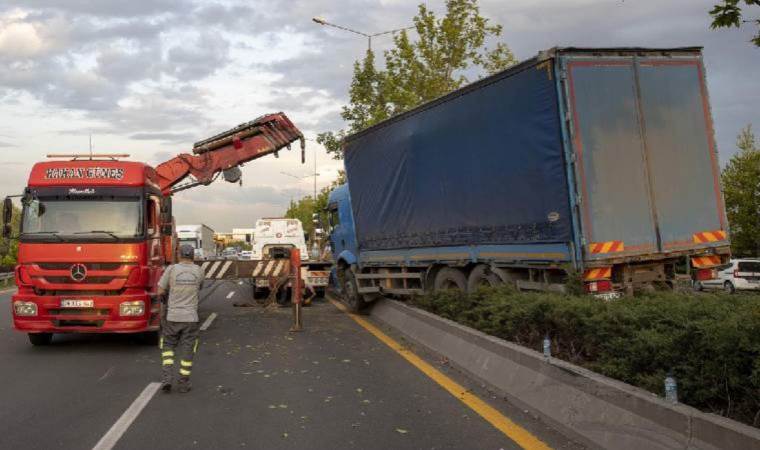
<point x="592" y="163"/>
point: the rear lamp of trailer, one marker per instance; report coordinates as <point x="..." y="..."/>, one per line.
<point x="599" y="286"/>
<point x="25" y="308"/>
<point x="135" y="308"/>
<point x="706" y="274"/>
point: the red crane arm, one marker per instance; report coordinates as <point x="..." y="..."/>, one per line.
<point x="226" y="151"/>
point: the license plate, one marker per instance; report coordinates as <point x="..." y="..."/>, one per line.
<point x="609" y="295"/>
<point x="77" y="303"/>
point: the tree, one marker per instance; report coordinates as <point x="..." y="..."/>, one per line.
<point x="9" y="247"/>
<point x="728" y="14"/>
<point x="741" y="190"/>
<point x="446" y="51"/>
<point x="305" y="208"/>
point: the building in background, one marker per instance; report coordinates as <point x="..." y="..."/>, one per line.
<point x="243" y="235"/>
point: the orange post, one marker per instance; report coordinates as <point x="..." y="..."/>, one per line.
<point x="296" y="289"/>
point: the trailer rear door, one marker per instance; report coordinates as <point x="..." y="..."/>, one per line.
<point x="646" y="165"/>
<point x="682" y="158"/>
<point x="615" y="203"/>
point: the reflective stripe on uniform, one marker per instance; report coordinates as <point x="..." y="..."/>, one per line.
<point x="168" y="353"/>
<point x="186" y="363"/>
<point x="161" y="343"/>
<point x="184" y="372"/>
<point x="168" y="362"/>
<point x="195" y="347"/>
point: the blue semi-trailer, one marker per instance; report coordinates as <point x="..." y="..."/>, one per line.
<point x="600" y="162"/>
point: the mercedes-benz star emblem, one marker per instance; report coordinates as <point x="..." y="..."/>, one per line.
<point x="78" y="272"/>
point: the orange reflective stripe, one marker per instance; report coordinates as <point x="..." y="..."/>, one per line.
<point x="703" y="262"/>
<point x="709" y="236"/>
<point x="606" y="247"/>
<point x="600" y="273"/>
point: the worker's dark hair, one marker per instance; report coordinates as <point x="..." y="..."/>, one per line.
<point x="186" y="252"/>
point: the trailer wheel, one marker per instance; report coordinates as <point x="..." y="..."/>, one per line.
<point x="351" y="292"/>
<point x="481" y="276"/>
<point x="450" y="278"/>
<point x="39" y="339"/>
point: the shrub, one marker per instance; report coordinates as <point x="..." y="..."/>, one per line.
<point x="711" y="342"/>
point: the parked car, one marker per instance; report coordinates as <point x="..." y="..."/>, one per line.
<point x="737" y="275"/>
<point x="230" y="253"/>
<point x="246" y="254"/>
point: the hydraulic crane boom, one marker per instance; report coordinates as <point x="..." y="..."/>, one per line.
<point x="225" y="152"/>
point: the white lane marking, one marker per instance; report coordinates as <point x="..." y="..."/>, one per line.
<point x="109" y="440"/>
<point x="210" y="273"/>
<point x="224" y="269"/>
<point x="230" y="295"/>
<point x="207" y="322"/>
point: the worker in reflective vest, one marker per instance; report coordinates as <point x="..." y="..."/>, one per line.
<point x="179" y="324"/>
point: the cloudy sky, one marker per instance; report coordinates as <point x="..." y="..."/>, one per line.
<point x="150" y="77"/>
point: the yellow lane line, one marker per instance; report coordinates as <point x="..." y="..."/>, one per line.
<point x="516" y="433"/>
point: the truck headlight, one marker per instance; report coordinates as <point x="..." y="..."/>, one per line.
<point x="136" y="308"/>
<point x="25" y="308"/>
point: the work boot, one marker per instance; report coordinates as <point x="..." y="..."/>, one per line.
<point x="183" y="385"/>
<point x="166" y="387"/>
<point x="166" y="380"/>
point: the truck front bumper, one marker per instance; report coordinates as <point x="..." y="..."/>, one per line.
<point x="103" y="317"/>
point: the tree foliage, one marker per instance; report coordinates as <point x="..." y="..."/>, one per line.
<point x="9" y="247"/>
<point x="741" y="190"/>
<point x="447" y="52"/>
<point x="729" y="13"/>
<point x="305" y="208"/>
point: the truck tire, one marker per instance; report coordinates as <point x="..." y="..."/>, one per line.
<point x="481" y="276"/>
<point x="39" y="339"/>
<point x="351" y="294"/>
<point x="450" y="278"/>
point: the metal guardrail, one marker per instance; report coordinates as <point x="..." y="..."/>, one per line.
<point x="6" y="278"/>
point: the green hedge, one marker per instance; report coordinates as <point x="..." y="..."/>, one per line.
<point x="711" y="343"/>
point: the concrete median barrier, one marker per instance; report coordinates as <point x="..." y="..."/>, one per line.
<point x="595" y="410"/>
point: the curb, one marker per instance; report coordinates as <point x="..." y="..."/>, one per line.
<point x="595" y="410"/>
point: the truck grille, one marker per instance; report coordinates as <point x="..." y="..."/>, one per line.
<point x="88" y="280"/>
<point x="89" y="266"/>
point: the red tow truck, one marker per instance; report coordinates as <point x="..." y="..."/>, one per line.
<point x="97" y="231"/>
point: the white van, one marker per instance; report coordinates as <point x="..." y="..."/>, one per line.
<point x="737" y="275"/>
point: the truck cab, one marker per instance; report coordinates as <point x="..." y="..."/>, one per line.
<point x="278" y="232"/>
<point x="342" y="235"/>
<point x="95" y="237"/>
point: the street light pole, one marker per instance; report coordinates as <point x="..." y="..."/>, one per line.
<point x="369" y="37"/>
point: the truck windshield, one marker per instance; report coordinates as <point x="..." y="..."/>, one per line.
<point x="188" y="241"/>
<point x="111" y="218"/>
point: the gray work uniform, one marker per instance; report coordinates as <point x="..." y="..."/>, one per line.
<point x="179" y="324"/>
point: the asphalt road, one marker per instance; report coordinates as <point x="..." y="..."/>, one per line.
<point x="255" y="385"/>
